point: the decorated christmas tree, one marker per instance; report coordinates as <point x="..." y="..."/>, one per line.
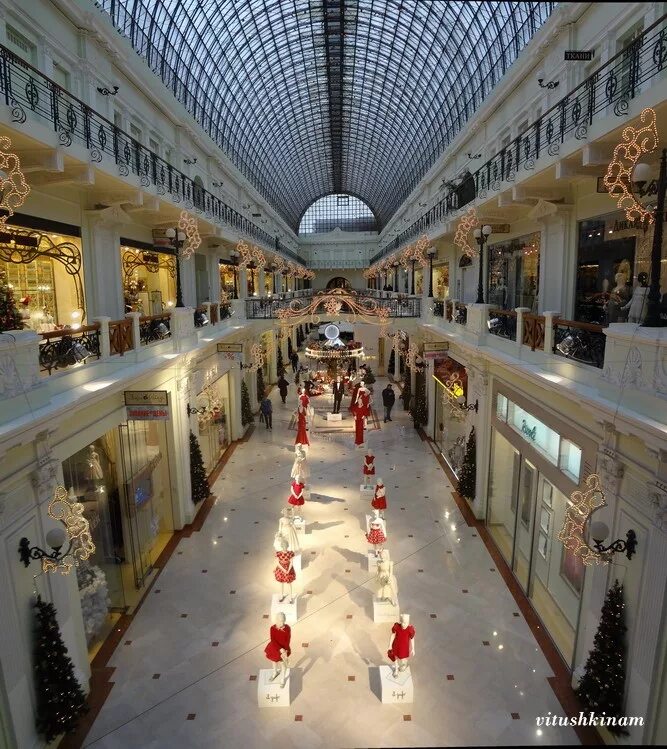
<point x="280" y="364"/>
<point x="419" y="412"/>
<point x="406" y="395"/>
<point x="369" y="377"/>
<point x="198" y="480"/>
<point x="10" y="317"/>
<point x="392" y="359"/>
<point x="602" y="686"/>
<point x="246" y="410"/>
<point x="60" y="699"/>
<point x="260" y="385"/>
<point x="290" y="347"/>
<point x="467" y="479"/>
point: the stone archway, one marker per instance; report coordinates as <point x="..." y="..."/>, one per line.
<point x="338" y="282"/>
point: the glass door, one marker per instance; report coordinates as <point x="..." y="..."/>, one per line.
<point x="131" y="491"/>
<point x="525" y="523"/>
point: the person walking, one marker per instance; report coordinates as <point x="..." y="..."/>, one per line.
<point x="388" y="400"/>
<point x="282" y="387"/>
<point x="295" y="361"/>
<point x="266" y="407"/>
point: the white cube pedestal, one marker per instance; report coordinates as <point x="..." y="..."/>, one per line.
<point x="396" y="690"/>
<point x="306" y="494"/>
<point x="296" y="563"/>
<point x="299" y="524"/>
<point x="334" y="417"/>
<point x="271" y="693"/>
<point x="385" y="612"/>
<point x="372" y="561"/>
<point x="368" y="524"/>
<point x="362" y="446"/>
<point x="287" y="608"/>
<point x="366" y="493"/>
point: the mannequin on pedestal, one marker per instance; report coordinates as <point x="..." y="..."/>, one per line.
<point x="361" y="408"/>
<point x="337" y="388"/>
<point x="300" y="466"/>
<point x="284" y="571"/>
<point x="278" y="650"/>
<point x="286" y="529"/>
<point x="377" y="534"/>
<point x="296" y="498"/>
<point x="301" y="416"/>
<point x="368" y="469"/>
<point x="401" y="644"/>
<point x="387" y="588"/>
<point x="379" y="501"/>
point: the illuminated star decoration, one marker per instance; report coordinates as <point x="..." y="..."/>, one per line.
<point x="577" y="515"/>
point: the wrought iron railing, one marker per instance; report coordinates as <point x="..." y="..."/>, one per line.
<point x="267" y="308"/>
<point x="502" y="323"/>
<point x="438" y="308"/>
<point x="460" y="313"/>
<point x="583" y="342"/>
<point x="154" y="328"/>
<point x="610" y="89"/>
<point x="28" y="92"/>
<point x="60" y="349"/>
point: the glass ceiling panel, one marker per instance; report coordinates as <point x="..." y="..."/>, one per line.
<point x="313" y="97"/>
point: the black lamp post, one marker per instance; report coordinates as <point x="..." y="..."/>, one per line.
<point x="431" y="254"/>
<point x="234" y="257"/>
<point x="395" y="266"/>
<point x="412" y="280"/>
<point x="652" y="319"/>
<point x="177" y="239"/>
<point x="251" y="267"/>
<point x="482" y="236"/>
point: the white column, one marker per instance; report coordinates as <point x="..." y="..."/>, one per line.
<point x="179" y="436"/>
<point x="397" y="363"/>
<point x="188" y="281"/>
<point x="214" y="278"/>
<point x="105" y="343"/>
<point x="558" y="262"/>
<point x="273" y="359"/>
<point x="480" y="393"/>
<point x="262" y="280"/>
<point x="103" y="285"/>
<point x="243" y="282"/>
<point x="235" y="402"/>
<point x="430" y="398"/>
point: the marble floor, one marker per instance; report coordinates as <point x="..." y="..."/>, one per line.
<point x="186" y="674"/>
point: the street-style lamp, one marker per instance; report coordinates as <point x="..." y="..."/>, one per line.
<point x="412" y="282"/>
<point x="641" y="175"/>
<point x="482" y="237"/>
<point x="234" y="257"/>
<point x="431" y="254"/>
<point x="395" y="267"/>
<point x="177" y="239"/>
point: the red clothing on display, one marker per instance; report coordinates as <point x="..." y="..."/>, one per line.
<point x="364" y="402"/>
<point x="358" y="429"/>
<point x="353" y="397"/>
<point x="400" y="647"/>
<point x="379" y="502"/>
<point x="301" y="433"/>
<point x="280" y="640"/>
<point x="284" y="563"/>
<point x="296" y="495"/>
<point x="369" y="465"/>
<point x="375" y="535"/>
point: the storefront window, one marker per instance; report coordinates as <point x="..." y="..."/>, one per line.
<point x="44" y="271"/>
<point x="213" y="424"/>
<point x="514" y="272"/>
<point x="441" y="281"/>
<point x="451" y="427"/>
<point x="149" y="280"/>
<point x="91" y="475"/>
<point x="502" y="493"/>
<point x="227" y="276"/>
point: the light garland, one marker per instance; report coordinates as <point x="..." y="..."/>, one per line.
<point x="577" y="516"/>
<point x="312" y="352"/>
<point x="188" y="224"/>
<point x="367" y="309"/>
<point x="618" y="179"/>
<point x="13" y="187"/>
<point x="465" y="226"/>
<point x="70" y="514"/>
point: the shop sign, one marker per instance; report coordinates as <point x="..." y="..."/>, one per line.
<point x="433" y="349"/>
<point x="500" y="228"/>
<point x="531" y="434"/>
<point x="231" y="351"/>
<point x="148" y="413"/>
<point x="579" y="54"/>
<point x="146" y="398"/>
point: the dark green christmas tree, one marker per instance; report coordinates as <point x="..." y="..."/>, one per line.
<point x="60" y="699"/>
<point x="419" y="412"/>
<point x="468" y="477"/>
<point x="10" y="317"/>
<point x="602" y="686"/>
<point x="280" y="364"/>
<point x="198" y="480"/>
<point x="406" y="395"/>
<point x="369" y="377"/>
<point x="290" y="347"/>
<point x="392" y="359"/>
<point x="260" y="385"/>
<point x="246" y="412"/>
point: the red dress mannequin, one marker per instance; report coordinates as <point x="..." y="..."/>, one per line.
<point x="301" y="433"/>
<point x="280" y="640"/>
<point x="379" y="501"/>
<point x="284" y="572"/>
<point x="376" y="534"/>
<point x="400" y="647"/>
<point x="361" y="408"/>
<point x="369" y="464"/>
<point x="296" y="495"/>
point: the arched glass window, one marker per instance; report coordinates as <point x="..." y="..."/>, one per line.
<point x="337" y="211"/>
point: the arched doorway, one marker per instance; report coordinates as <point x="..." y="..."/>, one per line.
<point x="339" y="282"/>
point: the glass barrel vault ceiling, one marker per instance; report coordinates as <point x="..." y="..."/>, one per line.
<point x="312" y="97"/>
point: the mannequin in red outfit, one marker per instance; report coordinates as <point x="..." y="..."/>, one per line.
<point x="401" y="644"/>
<point x="361" y="408"/>
<point x="301" y="416"/>
<point x="284" y="571"/>
<point x="278" y="650"/>
<point x="296" y="498"/>
<point x="379" y="501"/>
<point x="368" y="469"/>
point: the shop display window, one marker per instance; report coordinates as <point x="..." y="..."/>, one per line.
<point x="441" y="281"/>
<point x="44" y="271"/>
<point x="227" y="275"/>
<point x="501" y="407"/>
<point x="149" y="280"/>
<point x="213" y="423"/>
<point x="570" y="459"/>
<point x="514" y="272"/>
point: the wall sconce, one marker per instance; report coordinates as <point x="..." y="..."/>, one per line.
<point x="217" y="184"/>
<point x="599" y="532"/>
<point x="190" y="161"/>
<point x="474" y="155"/>
<point x="548" y="84"/>
<point x="74" y="528"/>
<point x="106" y="91"/>
<point x="201" y="411"/>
